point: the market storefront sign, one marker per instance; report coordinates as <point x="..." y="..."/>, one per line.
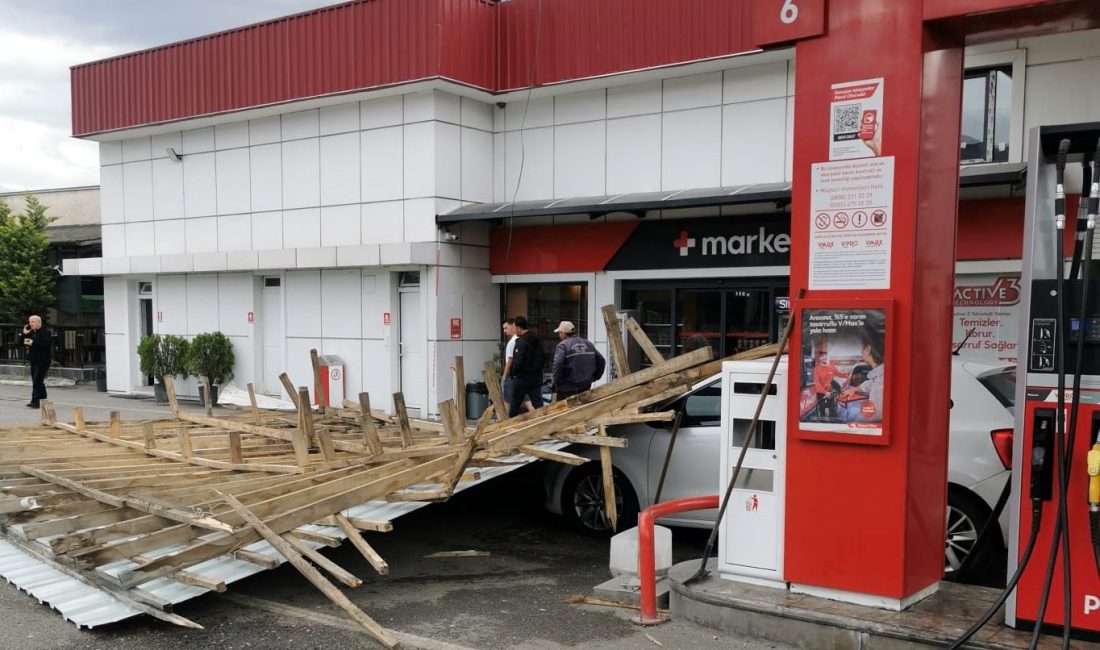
<point x="706" y="243"/>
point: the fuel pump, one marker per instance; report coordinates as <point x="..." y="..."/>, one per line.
<point x="1055" y="507"/>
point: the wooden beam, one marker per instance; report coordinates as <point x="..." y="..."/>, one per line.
<point x="460" y="391"/>
<point x="642" y="338"/>
<point x="288" y="386"/>
<point x="556" y="456"/>
<point x="49" y="415"/>
<point x="236" y="455"/>
<point x="252" y="401"/>
<point x="198" y="580"/>
<point x="315" y="537"/>
<point x="371" y="525"/>
<point x="321" y="438"/>
<point x="333" y="569"/>
<point x="369" y="554"/>
<point x="615" y="339"/>
<point x="313" y="575"/>
<point x="366" y="423"/>
<point x="463" y="460"/>
<point x="418" y="495"/>
<point x="585" y="439"/>
<point x="259" y="559"/>
<point x="207" y="398"/>
<point x="315" y="361"/>
<point x="454" y="427"/>
<point x="185" y="442"/>
<point x="496" y="396"/>
<point x="78" y="417"/>
<point x="170" y="389"/>
<point x="610" y="507"/>
<point x="633" y="418"/>
<point x="150" y="434"/>
<point x="116" y="424"/>
<point x="402" y="419"/>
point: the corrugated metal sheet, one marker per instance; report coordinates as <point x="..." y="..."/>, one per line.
<point x="86" y="606"/>
<point x="371" y="43"/>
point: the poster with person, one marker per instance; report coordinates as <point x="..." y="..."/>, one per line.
<point x="843" y="371"/>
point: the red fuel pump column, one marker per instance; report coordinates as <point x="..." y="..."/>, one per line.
<point x="873" y="232"/>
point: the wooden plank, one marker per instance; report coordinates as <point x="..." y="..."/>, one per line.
<point x="78" y="417"/>
<point x="313" y="575"/>
<point x="556" y="456"/>
<point x="371" y="525"/>
<point x="585" y="439"/>
<point x="288" y="386"/>
<point x="185" y="442"/>
<point x="116" y="424"/>
<point x="236" y="454"/>
<point x="170" y="389"/>
<point x="417" y="452"/>
<point x="315" y="361"/>
<point x="369" y="554"/>
<point x="259" y="559"/>
<point x="418" y="495"/>
<point x="660" y="397"/>
<point x="610" y="507"/>
<point x="207" y="397"/>
<point x="463" y="460"/>
<point x="402" y="419"/>
<point x="150" y="434"/>
<point x="49" y="415"/>
<point x="198" y="580"/>
<point x="333" y="569"/>
<point x="252" y="402"/>
<point x="657" y="416"/>
<point x="454" y="427"/>
<point x="460" y="392"/>
<point x="321" y="438"/>
<point x="496" y="395"/>
<point x="642" y="338"/>
<point x="366" y="423"/>
<point x="315" y="537"/>
<point x="615" y="339"/>
<point x="285" y="435"/>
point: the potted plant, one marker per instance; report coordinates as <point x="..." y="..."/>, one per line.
<point x="161" y="356"/>
<point x="211" y="356"/>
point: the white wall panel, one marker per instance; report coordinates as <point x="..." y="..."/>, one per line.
<point x="475" y="114"/>
<point x="447" y="107"/>
<point x="302" y="295"/>
<point x="691" y="148"/>
<point x="340" y="168"/>
<point x="1062" y="93"/>
<point x="580" y="107"/>
<point x="499" y="185"/>
<point x="448" y="161"/>
<point x="766" y="81"/>
<point x="788" y="146"/>
<point x="378" y="384"/>
<point x="419" y="159"/>
<point x="170" y="237"/>
<point x="114" y="240"/>
<point x="303" y="124"/>
<point x="111" y="195"/>
<point x="202" y="235"/>
<point x="382" y="154"/>
<point x="202" y="303"/>
<point x="340" y="118"/>
<point x="382" y="222"/>
<point x="115" y="306"/>
<point x="167" y="189"/>
<point x="420" y="220"/>
<point x="199" y="185"/>
<point x="477" y="166"/>
<point x="267" y="230"/>
<point x="536" y="155"/>
<point x="480" y="306"/>
<point x="137" y="179"/>
<point x="754" y="142"/>
<point x="235" y="232"/>
<point x="233" y="178"/>
<point x="540" y="114"/>
<point x="244" y="363"/>
<point x="231" y="135"/>
<point x="579" y="159"/>
<point x="140" y="239"/>
<point x="302" y="228"/>
<point x="635" y="99"/>
<point x="198" y="140"/>
<point x="265" y="130"/>
<point x="376" y="302"/>
<point x="693" y="92"/>
<point x="1067" y="46"/>
<point x="110" y="153"/>
<point x="298" y="365"/>
<point x="419" y="107"/>
<point x="266" y="169"/>
<point x="340" y="225"/>
<point x="118" y="360"/>
<point x="236" y="296"/>
<point x="341" y="308"/>
<point x="301" y="173"/>
<point x="385" y="111"/>
<point x="170" y="301"/>
<point x="634" y="154"/>
<point x="136" y="149"/>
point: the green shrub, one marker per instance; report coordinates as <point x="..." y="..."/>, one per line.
<point x="163" y="355"/>
<point x="211" y="356"/>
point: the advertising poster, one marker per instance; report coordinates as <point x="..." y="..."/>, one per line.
<point x="855" y="130"/>
<point x="843" y="375"/>
<point x="987" y="317"/>
<point x="851" y="224"/>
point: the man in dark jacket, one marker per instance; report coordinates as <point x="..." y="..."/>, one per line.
<point x="577" y="363"/>
<point x="39" y="344"/>
<point x="527" y="361"/>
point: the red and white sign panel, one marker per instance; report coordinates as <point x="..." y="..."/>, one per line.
<point x="456" y="329"/>
<point x="783" y="21"/>
<point x="855" y="125"/>
<point x="987" y="316"/>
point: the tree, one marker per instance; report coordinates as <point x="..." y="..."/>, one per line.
<point x="27" y="283"/>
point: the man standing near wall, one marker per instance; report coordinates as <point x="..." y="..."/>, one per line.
<point x="39" y="344"/>
<point x="527" y="362"/>
<point x="577" y="363"/>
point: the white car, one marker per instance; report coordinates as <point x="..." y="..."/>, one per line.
<point x="980" y="455"/>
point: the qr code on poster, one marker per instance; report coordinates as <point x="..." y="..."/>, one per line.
<point x="846" y="118"/>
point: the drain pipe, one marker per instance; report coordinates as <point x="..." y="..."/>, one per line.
<point x="646" y="571"/>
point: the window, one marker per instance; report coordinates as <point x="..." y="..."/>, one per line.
<point x="545" y="305"/>
<point x="703" y="408"/>
<point x="986" y="115"/>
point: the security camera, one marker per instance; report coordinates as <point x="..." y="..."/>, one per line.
<point x="501" y="104"/>
<point x="171" y="151"/>
<point x="450" y="236"/>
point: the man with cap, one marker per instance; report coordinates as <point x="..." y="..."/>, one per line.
<point x="577" y="363"/>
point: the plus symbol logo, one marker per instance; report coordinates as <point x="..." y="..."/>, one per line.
<point x="684" y="243"/>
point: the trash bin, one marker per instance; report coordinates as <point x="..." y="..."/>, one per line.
<point x="101" y="380"/>
<point x="477" y="399"/>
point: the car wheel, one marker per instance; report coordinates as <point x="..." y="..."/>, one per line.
<point x="582" y="501"/>
<point x="966" y="515"/>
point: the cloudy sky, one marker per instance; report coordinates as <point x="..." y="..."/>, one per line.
<point x="40" y="39"/>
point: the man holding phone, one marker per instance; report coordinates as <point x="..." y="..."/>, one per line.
<point x="39" y="344"/>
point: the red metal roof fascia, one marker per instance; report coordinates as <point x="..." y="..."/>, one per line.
<point x="569" y="248"/>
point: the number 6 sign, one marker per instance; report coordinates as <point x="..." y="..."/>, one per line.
<point x="784" y="21"/>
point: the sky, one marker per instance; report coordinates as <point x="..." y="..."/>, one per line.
<point x="41" y="39"/>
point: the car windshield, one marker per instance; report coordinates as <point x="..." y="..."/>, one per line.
<point x="1002" y="384"/>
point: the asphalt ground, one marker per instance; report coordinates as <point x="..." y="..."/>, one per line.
<point x="514" y="598"/>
